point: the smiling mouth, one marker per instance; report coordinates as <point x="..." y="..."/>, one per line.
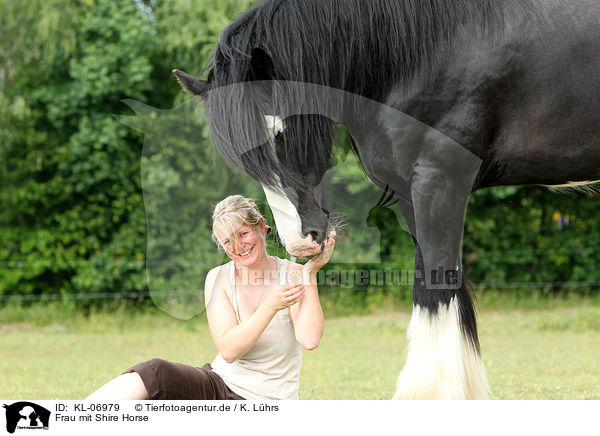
<point x="246" y="253"/>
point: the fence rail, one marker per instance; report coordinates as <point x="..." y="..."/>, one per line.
<point x="95" y="296"/>
<point x="145" y="294"/>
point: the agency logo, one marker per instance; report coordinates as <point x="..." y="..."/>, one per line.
<point x="26" y="415"/>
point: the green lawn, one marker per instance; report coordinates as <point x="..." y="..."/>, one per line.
<point x="551" y="354"/>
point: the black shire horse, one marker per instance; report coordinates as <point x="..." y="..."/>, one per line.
<point x="441" y="98"/>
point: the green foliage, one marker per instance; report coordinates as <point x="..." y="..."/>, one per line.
<point x="88" y="204"/>
<point x="189" y="29"/>
<point x="517" y="240"/>
<point x="70" y="182"/>
<point x="181" y="181"/>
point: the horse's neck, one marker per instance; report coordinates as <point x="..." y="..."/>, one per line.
<point x="419" y="41"/>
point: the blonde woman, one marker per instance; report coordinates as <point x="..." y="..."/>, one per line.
<point x="261" y="312"/>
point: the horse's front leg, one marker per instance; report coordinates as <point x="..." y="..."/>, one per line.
<point x="443" y="360"/>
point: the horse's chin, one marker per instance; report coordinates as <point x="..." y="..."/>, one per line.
<point x="305" y="252"/>
<point x="302" y="247"/>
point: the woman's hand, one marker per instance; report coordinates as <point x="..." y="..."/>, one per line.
<point x="286" y="296"/>
<point x="321" y="259"/>
<point x="308" y="315"/>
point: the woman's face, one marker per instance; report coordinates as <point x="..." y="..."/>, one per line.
<point x="250" y="246"/>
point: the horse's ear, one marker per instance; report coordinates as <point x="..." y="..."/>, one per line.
<point x="191" y="84"/>
<point x="261" y="65"/>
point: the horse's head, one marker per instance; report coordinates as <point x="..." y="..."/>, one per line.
<point x="263" y="131"/>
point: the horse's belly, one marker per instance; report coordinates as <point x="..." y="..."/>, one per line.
<point x="548" y="124"/>
<point x="551" y="129"/>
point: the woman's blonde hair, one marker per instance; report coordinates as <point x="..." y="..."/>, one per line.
<point x="232" y="212"/>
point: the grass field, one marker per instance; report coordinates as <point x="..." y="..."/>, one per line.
<point x="529" y="354"/>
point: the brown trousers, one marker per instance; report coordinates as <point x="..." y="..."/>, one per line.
<point x="165" y="380"/>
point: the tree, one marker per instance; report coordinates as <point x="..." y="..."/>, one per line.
<point x="73" y="215"/>
<point x="70" y="181"/>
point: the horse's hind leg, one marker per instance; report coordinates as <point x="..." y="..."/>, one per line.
<point x="443" y="360"/>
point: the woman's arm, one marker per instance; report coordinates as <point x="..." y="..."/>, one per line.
<point x="233" y="340"/>
<point x="307" y="315"/>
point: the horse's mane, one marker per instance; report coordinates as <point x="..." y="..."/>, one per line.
<point x="360" y="46"/>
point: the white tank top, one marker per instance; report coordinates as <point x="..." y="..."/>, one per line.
<point x="270" y="370"/>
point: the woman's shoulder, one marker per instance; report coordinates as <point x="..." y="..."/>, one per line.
<point x="219" y="270"/>
<point x="218" y="277"/>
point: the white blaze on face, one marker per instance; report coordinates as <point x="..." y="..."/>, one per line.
<point x="287" y="219"/>
<point x="286" y="216"/>
<point x="289" y="225"/>
<point x="274" y="124"/>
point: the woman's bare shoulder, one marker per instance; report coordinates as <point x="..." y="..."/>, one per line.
<point x="216" y="278"/>
<point x="219" y="270"/>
